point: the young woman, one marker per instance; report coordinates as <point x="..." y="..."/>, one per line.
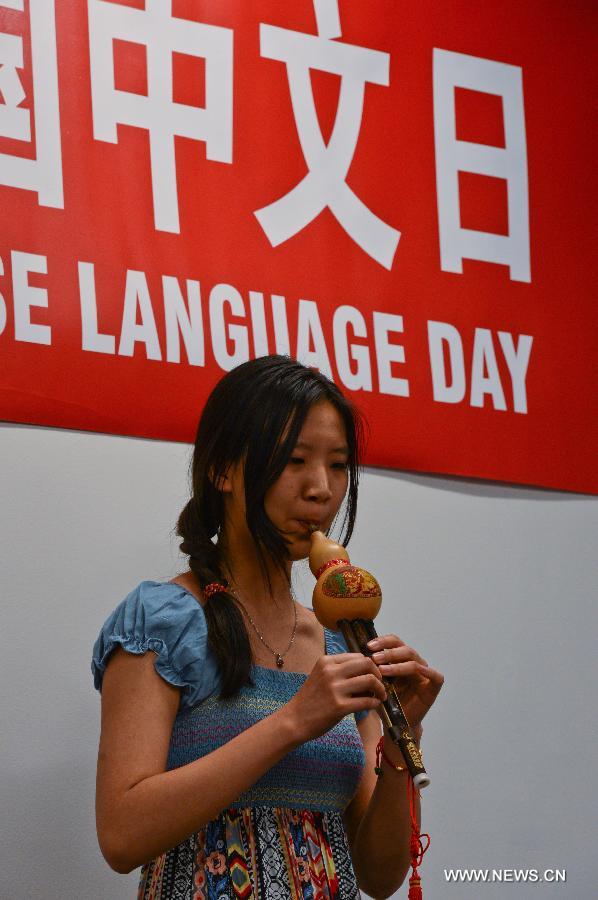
<point x="237" y="758"/>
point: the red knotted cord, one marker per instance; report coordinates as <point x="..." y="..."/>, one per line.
<point x="416" y="848"/>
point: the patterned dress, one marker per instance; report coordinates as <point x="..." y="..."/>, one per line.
<point x="283" y="838"/>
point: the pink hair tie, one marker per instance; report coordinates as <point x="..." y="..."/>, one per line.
<point x="214" y="588"/>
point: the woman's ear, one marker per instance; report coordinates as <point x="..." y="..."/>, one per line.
<point x="222" y="481"/>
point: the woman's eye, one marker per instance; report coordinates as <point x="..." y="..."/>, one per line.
<point x="296" y="459"/>
<point x="341" y="465"/>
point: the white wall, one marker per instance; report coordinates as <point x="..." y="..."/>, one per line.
<point x="492" y="584"/>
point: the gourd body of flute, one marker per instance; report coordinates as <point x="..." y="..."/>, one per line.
<point x="342" y="591"/>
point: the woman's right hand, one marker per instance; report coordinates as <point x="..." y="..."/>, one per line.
<point x="338" y="684"/>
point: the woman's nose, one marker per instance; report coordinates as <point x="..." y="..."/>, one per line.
<point x="318" y="486"/>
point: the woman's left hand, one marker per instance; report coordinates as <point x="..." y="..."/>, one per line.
<point x="417" y="684"/>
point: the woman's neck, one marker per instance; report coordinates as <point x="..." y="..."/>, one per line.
<point x="241" y="565"/>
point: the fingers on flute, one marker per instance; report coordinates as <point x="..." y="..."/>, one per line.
<point x="434" y="676"/>
<point x="411" y="667"/>
<point x="401" y="654"/>
<point x="385" y="640"/>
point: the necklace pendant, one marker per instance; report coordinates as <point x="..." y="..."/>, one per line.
<point x="279" y="661"/>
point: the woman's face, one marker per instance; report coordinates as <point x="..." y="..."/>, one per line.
<point x="314" y="482"/>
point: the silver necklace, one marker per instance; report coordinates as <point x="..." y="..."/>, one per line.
<point x="279" y="657"/>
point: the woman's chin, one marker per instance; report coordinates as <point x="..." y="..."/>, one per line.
<point x="299" y="548"/>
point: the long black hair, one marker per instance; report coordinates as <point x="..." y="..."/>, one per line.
<point x="254" y="414"/>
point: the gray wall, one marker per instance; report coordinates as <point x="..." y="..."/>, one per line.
<point x="492" y="584"/>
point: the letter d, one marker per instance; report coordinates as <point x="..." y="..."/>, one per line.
<point x="443" y="391"/>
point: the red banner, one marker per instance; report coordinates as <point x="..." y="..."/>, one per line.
<point x="397" y="193"/>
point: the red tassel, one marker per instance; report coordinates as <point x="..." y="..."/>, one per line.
<point x="415" y="891"/>
<point x="416" y="848"/>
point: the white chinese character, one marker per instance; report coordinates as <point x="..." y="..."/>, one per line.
<point x="328" y="164"/>
<point x="44" y="173"/>
<point x="453" y="70"/>
<point x="163" y="35"/>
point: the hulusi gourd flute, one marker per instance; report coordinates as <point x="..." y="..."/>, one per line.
<point x="348" y="598"/>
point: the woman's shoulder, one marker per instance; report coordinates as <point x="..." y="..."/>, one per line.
<point x="167" y="618"/>
<point x="188" y="582"/>
<point x="160" y="606"/>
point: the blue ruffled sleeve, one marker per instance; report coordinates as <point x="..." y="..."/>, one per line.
<point x="335" y="643"/>
<point x="167" y="619"/>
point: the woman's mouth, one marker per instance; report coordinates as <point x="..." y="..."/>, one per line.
<point x="309" y="525"/>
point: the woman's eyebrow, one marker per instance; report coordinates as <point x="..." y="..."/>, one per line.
<point x="302" y="445"/>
